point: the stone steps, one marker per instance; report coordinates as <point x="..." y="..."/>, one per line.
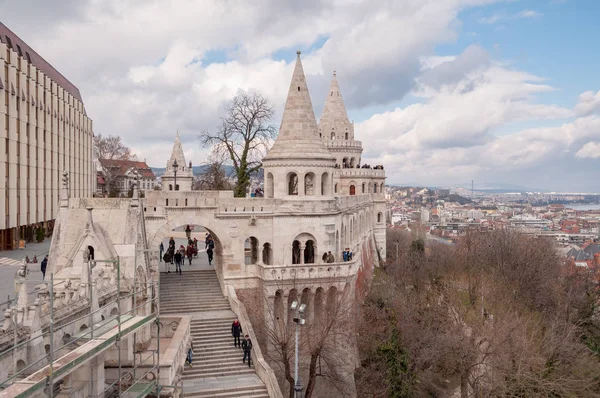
<point x="214" y="355"/>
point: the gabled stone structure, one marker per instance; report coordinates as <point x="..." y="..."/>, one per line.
<point x="183" y="175"/>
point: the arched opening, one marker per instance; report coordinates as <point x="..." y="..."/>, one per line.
<point x="305" y="299"/>
<point x="91" y="250"/>
<point x="335" y="188"/>
<point x="114" y="312"/>
<point x="332" y="136"/>
<point x="66" y="338"/>
<point x="352" y="190"/>
<point x="170" y="187"/>
<point x="375" y="188"/>
<point x="346" y="135"/>
<point x="21" y="365"/>
<point x="325" y="184"/>
<point x="345" y="163"/>
<point x="319" y="310"/>
<point x="83" y="328"/>
<point x="309" y="252"/>
<point x="267" y="254"/>
<point x="364" y="186"/>
<point x="296" y="252"/>
<point x="381" y="187"/>
<point x="292" y="184"/>
<point x="270" y="186"/>
<point x="332" y="301"/>
<point x="251" y="250"/>
<point x="352" y="162"/>
<point x="309" y="184"/>
<point x="47" y="348"/>
<point x="379" y="217"/>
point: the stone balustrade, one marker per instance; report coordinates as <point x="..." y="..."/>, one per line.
<point x="343" y="144"/>
<point x="360" y="173"/>
<point x="346" y="269"/>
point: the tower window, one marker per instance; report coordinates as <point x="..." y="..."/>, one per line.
<point x="331" y="95"/>
<point x="298" y="88"/>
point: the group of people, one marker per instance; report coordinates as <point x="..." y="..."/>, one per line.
<point x="244" y="343"/>
<point x="177" y="256"/>
<point x="32" y="261"/>
<point x="329" y="257"/>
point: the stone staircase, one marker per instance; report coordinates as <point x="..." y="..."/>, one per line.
<point x="218" y="370"/>
<point x="192" y="291"/>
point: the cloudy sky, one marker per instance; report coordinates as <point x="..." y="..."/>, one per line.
<point x="503" y="92"/>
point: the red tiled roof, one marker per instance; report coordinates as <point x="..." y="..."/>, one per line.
<point x="120" y="167"/>
<point x="31" y="56"/>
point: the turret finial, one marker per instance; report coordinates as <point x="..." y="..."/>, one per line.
<point x="298" y="52"/>
<point x="334" y="73"/>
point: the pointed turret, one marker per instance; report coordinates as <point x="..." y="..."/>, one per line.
<point x="178" y="176"/>
<point x="334" y="123"/>
<point x="298" y="135"/>
<point x="299" y="164"/>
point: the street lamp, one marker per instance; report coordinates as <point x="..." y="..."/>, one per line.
<point x="298" y="320"/>
<point x="175" y="165"/>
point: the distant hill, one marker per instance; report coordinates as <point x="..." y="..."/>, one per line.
<point x="197" y="170"/>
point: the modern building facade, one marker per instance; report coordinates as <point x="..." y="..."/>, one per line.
<point x="44" y="130"/>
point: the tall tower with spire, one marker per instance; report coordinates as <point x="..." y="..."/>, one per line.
<point x="336" y="130"/>
<point x="179" y="175"/>
<point x="298" y="164"/>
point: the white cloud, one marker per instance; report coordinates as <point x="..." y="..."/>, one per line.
<point x="589" y="102"/>
<point x="589" y="150"/>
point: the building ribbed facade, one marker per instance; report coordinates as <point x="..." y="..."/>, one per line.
<point x="44" y="130"/>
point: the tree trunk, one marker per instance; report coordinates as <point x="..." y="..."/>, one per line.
<point x="312" y="375"/>
<point x="464" y="385"/>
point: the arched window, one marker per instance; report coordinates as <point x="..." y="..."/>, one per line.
<point x="346" y="135"/>
<point x="296" y="252"/>
<point x="375" y="188"/>
<point x="379" y="217"/>
<point x="335" y="188"/>
<point x="278" y="310"/>
<point x="270" y="187"/>
<point x="325" y="184"/>
<point x="21" y="365"/>
<point x="292" y="184"/>
<point x="364" y="185"/>
<point x="332" y="136"/>
<point x="170" y="187"/>
<point x="309" y="252"/>
<point x="91" y="250"/>
<point x="309" y="184"/>
<point x="267" y="254"/>
<point x="251" y="250"/>
<point x="345" y="163"/>
<point x="352" y="190"/>
<point x="381" y="187"/>
<point x="352" y="162"/>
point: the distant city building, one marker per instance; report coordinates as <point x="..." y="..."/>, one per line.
<point x="45" y="131"/>
<point x="122" y="174"/>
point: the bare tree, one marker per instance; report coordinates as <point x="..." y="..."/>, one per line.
<point x="325" y="339"/>
<point x="213" y="177"/>
<point x="110" y="148"/>
<point x="244" y="136"/>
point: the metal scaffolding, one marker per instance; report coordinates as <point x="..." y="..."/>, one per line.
<point x="99" y="336"/>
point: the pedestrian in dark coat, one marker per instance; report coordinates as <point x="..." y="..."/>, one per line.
<point x="43" y="267"/>
<point x="236" y="331"/>
<point x="247" y="347"/>
<point x="161" y="249"/>
<point x="178" y="259"/>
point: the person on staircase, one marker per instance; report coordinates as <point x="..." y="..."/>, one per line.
<point x="236" y="331"/>
<point x="210" y="251"/>
<point x="178" y="259"/>
<point x="189" y="252"/>
<point x="161" y="249"/>
<point x="247" y="347"/>
<point x="190" y="354"/>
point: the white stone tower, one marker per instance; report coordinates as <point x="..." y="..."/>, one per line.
<point x="337" y="131"/>
<point x="182" y="172"/>
<point x="298" y="164"/>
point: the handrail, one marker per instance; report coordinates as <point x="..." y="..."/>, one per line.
<point x="263" y="370"/>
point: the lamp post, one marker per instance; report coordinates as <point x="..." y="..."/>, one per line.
<point x="175" y="165"/>
<point x="298" y="320"/>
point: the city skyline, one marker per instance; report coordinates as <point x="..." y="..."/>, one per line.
<point x="496" y="91"/>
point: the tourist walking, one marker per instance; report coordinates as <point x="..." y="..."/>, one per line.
<point x="190" y="354"/>
<point x="161" y="249"/>
<point x="178" y="259"/>
<point x="210" y="250"/>
<point x="168" y="259"/>
<point x="189" y="253"/>
<point x="43" y="267"/>
<point x="236" y="332"/>
<point x="247" y="347"/>
<point x="188" y="231"/>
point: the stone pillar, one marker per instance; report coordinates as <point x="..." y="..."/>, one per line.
<point x="302" y="249"/>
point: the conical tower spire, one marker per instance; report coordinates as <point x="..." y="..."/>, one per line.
<point x="334" y="110"/>
<point x="298" y="134"/>
<point x="177" y="153"/>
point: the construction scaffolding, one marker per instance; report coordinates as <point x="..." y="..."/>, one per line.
<point x="136" y="310"/>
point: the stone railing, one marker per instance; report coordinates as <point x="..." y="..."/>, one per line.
<point x="177" y="330"/>
<point x="263" y="370"/>
<point x="346" y="269"/>
<point x="343" y="144"/>
<point x="359" y="173"/>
